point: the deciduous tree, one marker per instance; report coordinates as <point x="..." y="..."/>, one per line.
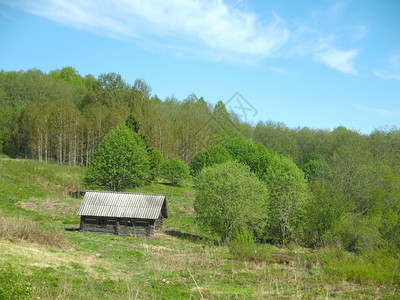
<point x="175" y="170"/>
<point x="119" y="162"/>
<point x="230" y="197"/>
<point x="215" y="154"/>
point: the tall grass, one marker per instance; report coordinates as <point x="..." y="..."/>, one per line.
<point x="20" y="228"/>
<point x="378" y="267"/>
<point x="243" y="247"/>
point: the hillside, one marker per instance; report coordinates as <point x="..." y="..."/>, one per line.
<point x="344" y="187"/>
<point x="42" y="255"/>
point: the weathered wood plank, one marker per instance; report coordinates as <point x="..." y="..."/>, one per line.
<point x="125" y="227"/>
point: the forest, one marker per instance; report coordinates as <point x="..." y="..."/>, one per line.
<point x="352" y="180"/>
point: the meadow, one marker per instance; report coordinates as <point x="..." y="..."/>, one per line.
<point x="44" y="256"/>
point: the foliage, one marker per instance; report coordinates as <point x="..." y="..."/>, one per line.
<point x="155" y="157"/>
<point x="313" y="167"/>
<point x="9" y="113"/>
<point x="283" y="179"/>
<point x="156" y="161"/>
<point x="175" y="170"/>
<point x="230" y="197"/>
<point x="279" y="138"/>
<point x="243" y="247"/>
<point x="243" y="235"/>
<point x="132" y="123"/>
<point x="289" y="194"/>
<point x="376" y="267"/>
<point x="241" y="150"/>
<point x="355" y="233"/>
<point x="224" y="124"/>
<point x="120" y="162"/>
<point x="216" y="154"/>
<point x="320" y="213"/>
<point x="87" y="109"/>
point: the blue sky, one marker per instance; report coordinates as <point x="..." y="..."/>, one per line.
<point x="317" y="64"/>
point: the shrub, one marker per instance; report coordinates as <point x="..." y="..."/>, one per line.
<point x="356" y="233"/>
<point x="229" y="197"/>
<point x="215" y="154"/>
<point x="243" y="235"/>
<point x="376" y="267"/>
<point x="243" y="247"/>
<point x="285" y="182"/>
<point x="156" y="161"/>
<point x="175" y="170"/>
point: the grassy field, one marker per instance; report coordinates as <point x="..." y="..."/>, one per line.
<point x="43" y="256"/>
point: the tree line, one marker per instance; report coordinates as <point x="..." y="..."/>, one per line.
<point x="61" y="116"/>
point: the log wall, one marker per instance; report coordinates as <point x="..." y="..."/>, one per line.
<point x="159" y="223"/>
<point x="125" y="227"/>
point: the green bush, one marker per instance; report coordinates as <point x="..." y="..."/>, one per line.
<point x="243" y="247"/>
<point x="175" y="170"/>
<point x="356" y="233"/>
<point x="285" y="182"/>
<point x="229" y="197"/>
<point x="376" y="267"/>
<point x="215" y="154"/>
<point x="244" y="235"/>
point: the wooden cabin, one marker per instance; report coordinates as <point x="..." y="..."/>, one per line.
<point x="128" y="214"/>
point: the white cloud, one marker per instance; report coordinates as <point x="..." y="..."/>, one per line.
<point x="211" y="25"/>
<point x="338" y="59"/>
<point x="328" y="40"/>
<point x="206" y="28"/>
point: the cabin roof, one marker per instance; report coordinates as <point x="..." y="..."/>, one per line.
<point x="123" y="205"/>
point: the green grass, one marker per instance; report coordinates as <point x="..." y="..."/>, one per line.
<point x="182" y="263"/>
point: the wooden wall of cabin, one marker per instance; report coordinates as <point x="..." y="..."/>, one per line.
<point x="125" y="227"/>
<point x="159" y="223"/>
